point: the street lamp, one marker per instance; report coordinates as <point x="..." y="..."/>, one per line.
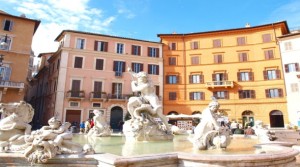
<point x="3" y="46"/>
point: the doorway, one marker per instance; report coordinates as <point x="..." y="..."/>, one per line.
<point x="276" y="119"/>
<point x="248" y="118"/>
<point x="73" y="116"/>
<point x="116" y="117"/>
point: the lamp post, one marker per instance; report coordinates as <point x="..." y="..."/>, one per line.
<point x="3" y="46"/>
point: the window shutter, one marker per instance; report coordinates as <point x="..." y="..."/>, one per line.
<point x="238" y="76"/>
<point x="149" y="69"/>
<point x="280" y="92"/>
<point x="267" y="93"/>
<point x="201" y="78"/>
<point x="286" y="68"/>
<point x="96" y="45"/>
<point x="266" y="55"/>
<point x="167" y="79"/>
<point x="252" y="94"/>
<point x="105" y="46"/>
<point x="142" y="67"/>
<point x="190" y="79"/>
<point x="202" y="95"/>
<point x="99" y="64"/>
<point x="139" y="50"/>
<point x="157" y="69"/>
<point x="241" y="94"/>
<point x="251" y="76"/>
<point x="265" y="75"/>
<point x="149" y="52"/>
<point x="123" y="66"/>
<point x="132" y="49"/>
<point x="11" y="25"/>
<point x="214" y="77"/>
<point x="191" y="96"/>
<point x="157" y="52"/>
<point x="226" y="95"/>
<point x="113" y="88"/>
<point x="115" y="66"/>
<point x="278" y="75"/>
<point x="132" y="66"/>
<point x="297" y="67"/>
<point x="3" y="24"/>
<point x="215" y="94"/>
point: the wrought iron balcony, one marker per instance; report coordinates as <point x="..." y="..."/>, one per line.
<point x="118" y="96"/>
<point x="98" y="96"/>
<point x="219" y="84"/>
<point x="11" y="85"/>
<point x="118" y="73"/>
<point x="75" y="95"/>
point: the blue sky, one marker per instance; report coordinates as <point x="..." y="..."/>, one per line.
<point x="144" y="19"/>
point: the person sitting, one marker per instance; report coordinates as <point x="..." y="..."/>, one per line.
<point x="249" y="131"/>
<point x="238" y="130"/>
<point x="82" y="127"/>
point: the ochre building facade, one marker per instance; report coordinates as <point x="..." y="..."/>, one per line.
<point x="240" y="67"/>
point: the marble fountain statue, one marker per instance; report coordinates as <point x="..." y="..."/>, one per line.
<point x="54" y="145"/>
<point x="100" y="128"/>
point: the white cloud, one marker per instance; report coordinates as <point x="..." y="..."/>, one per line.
<point x="58" y="15"/>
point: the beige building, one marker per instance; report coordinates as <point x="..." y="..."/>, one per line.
<point x="240" y="67"/>
<point x="17" y="33"/>
<point x="89" y="71"/>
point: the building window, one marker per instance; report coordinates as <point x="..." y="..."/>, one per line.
<point x="273" y="93"/>
<point x="119" y="68"/>
<point x="221" y="94"/>
<point x="218" y="77"/>
<point x="78" y="62"/>
<point x="80" y="43"/>
<point x="136" y="50"/>
<point x="269" y="54"/>
<point x="137" y="67"/>
<point x="288" y="45"/>
<point x="246" y="94"/>
<point x="218" y="59"/>
<point x="120" y="48"/>
<point x="97" y="89"/>
<point x="172" y="60"/>
<point x="241" y="41"/>
<point x="7" y="25"/>
<point x="271" y="74"/>
<point x="196" y="78"/>
<point x="75" y="88"/>
<point x="217" y="43"/>
<point x="172" y="46"/>
<point x="153" y="69"/>
<point x="7" y="40"/>
<point x="266" y="38"/>
<point x="116" y="90"/>
<point x="294" y="87"/>
<point x="101" y="46"/>
<point x="194" y="45"/>
<point x="195" y="60"/>
<point x="172" y="79"/>
<point x="5" y="73"/>
<point x="243" y="57"/>
<point x="172" y="96"/>
<point x="245" y="76"/>
<point x="293" y="67"/>
<point x="196" y="96"/>
<point x="99" y="64"/>
<point x="156" y="87"/>
<point x="74" y="104"/>
<point x="96" y="105"/>
<point x="153" y="52"/>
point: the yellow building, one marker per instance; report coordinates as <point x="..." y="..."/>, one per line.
<point x="16" y="33"/>
<point x="240" y="67"/>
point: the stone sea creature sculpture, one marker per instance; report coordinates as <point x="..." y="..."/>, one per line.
<point x="51" y="140"/>
<point x="144" y="109"/>
<point x="100" y="128"/>
<point x="14" y="126"/>
<point x="208" y="134"/>
<point x="263" y="134"/>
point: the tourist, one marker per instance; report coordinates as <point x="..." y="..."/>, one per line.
<point x="82" y="127"/>
<point x="233" y="126"/>
<point x="238" y="130"/>
<point x="87" y="126"/>
<point x="92" y="123"/>
<point x="249" y="131"/>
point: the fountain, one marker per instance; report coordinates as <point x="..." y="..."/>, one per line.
<point x="145" y="141"/>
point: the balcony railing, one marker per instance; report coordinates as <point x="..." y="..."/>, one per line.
<point x="118" y="73"/>
<point x="98" y="95"/>
<point x="118" y="96"/>
<point x="11" y="85"/>
<point x="73" y="94"/>
<point x="218" y="84"/>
